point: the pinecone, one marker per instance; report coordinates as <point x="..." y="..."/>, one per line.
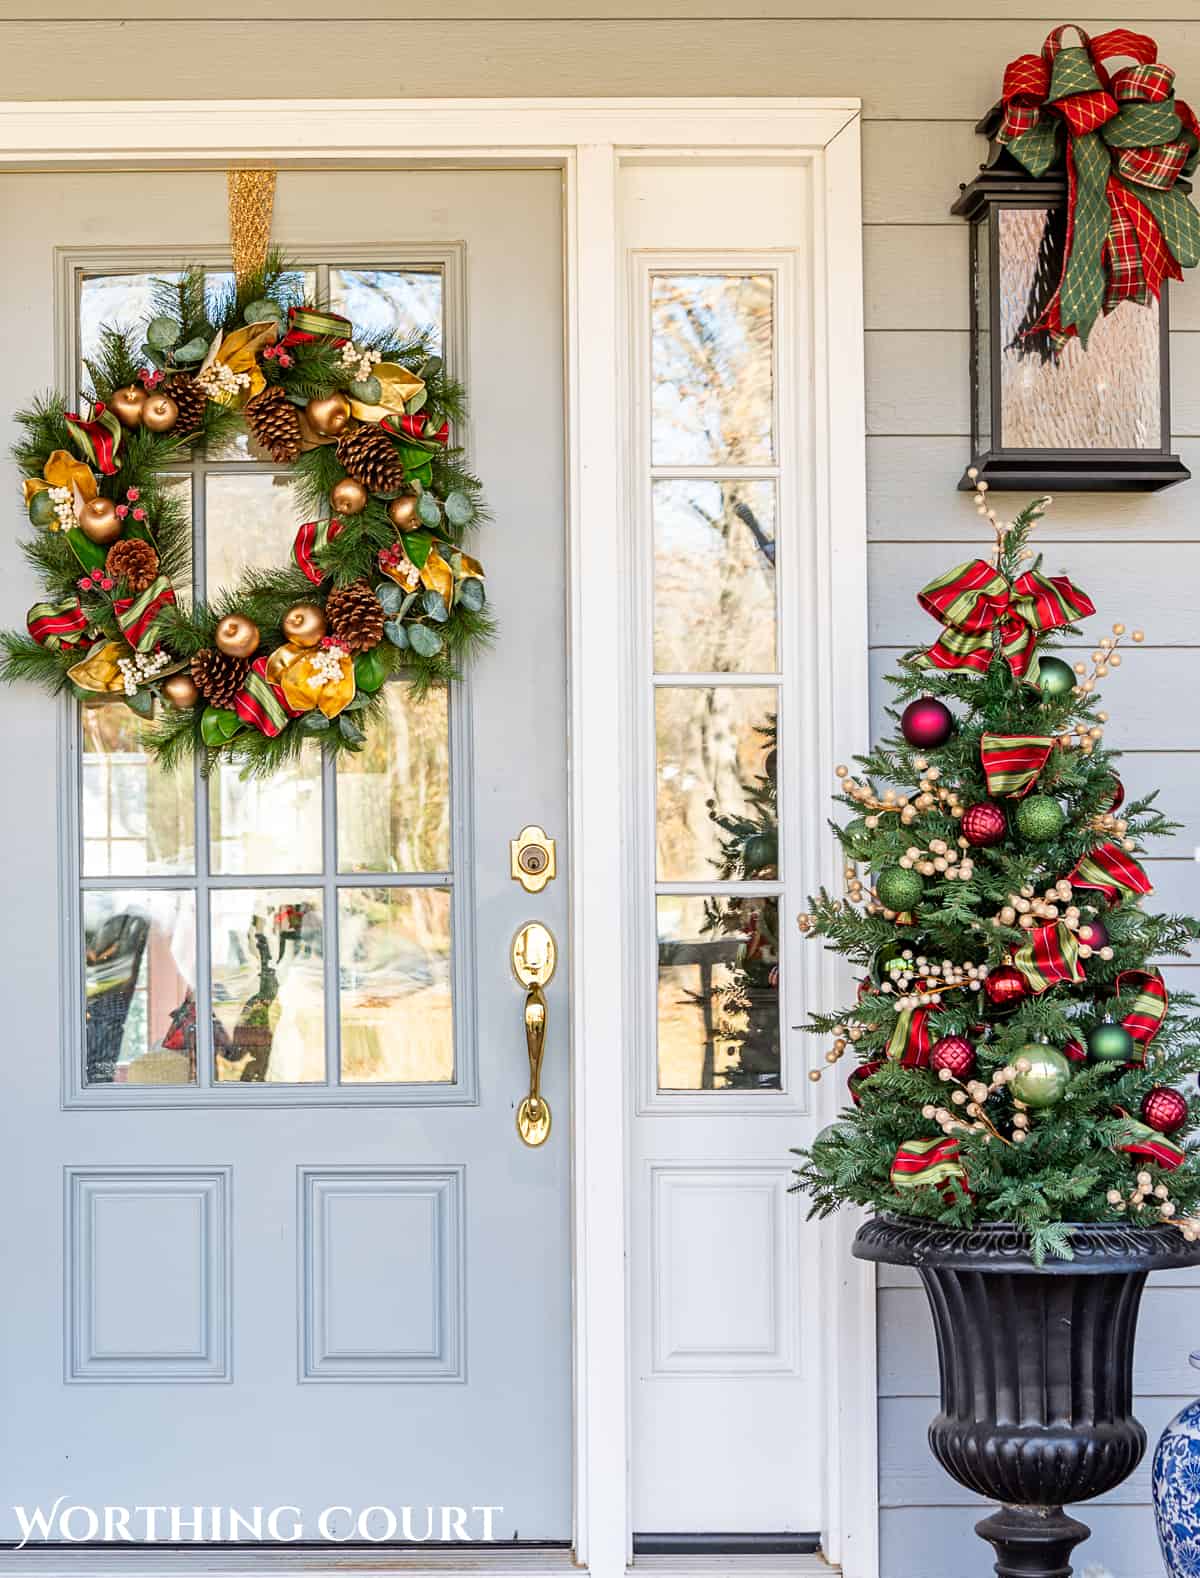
<point x="218" y="676"/>
<point x="133" y="561"/>
<point x="191" y="398"/>
<point x="355" y="616"/>
<point x="275" y="423"/>
<point x="370" y="457"/>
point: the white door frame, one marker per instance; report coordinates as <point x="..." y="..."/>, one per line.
<point x="588" y="139"/>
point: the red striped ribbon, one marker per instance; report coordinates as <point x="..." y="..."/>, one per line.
<point x="261" y="703"/>
<point x="1144" y="1019"/>
<point x="1109" y="870"/>
<point x="57" y="625"/>
<point x="310" y="539"/>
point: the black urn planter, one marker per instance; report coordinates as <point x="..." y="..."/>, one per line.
<point x="1036" y="1368"/>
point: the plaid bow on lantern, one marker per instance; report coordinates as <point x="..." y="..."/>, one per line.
<point x="1127" y="142"/>
<point x="979" y="606"/>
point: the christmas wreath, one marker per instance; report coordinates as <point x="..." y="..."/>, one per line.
<point x="379" y="580"/>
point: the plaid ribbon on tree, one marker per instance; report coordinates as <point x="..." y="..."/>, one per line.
<point x="980" y="607"/>
<point x="1051" y="955"/>
<point x="1012" y="762"/>
<point x="858" y="1076"/>
<point x="262" y="703"/>
<point x="59" y="626"/>
<point x="97" y="438"/>
<point x="1109" y="870"/>
<point x="1126" y="140"/>
<point x="1139" y="1139"/>
<point x="310" y="539"/>
<point x="920" y="1162"/>
<point x="140" y="617"/>
<point x="1144" y="1019"/>
<point x="911" y="1037"/>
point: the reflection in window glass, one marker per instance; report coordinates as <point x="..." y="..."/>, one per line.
<point x="266" y="826"/>
<point x="250" y="524"/>
<point x="399" y="302"/>
<point x="139" y="971"/>
<point x="718" y="993"/>
<point x="393" y="796"/>
<point x="394" y="962"/>
<point x="137" y="819"/>
<point x="268" y="985"/>
<point x="716" y="783"/>
<point x="712" y="366"/>
<point x="714" y="577"/>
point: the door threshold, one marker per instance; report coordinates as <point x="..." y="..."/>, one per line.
<point x="740" y="1564"/>
<point x="234" y="1561"/>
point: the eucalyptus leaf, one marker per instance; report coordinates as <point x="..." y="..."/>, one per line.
<point x="424" y="641"/>
<point x="396" y="633"/>
<point x="416" y="403"/>
<point x="163" y="333"/>
<point x="471" y="593"/>
<point x="459" y="508"/>
<point x="194" y="351"/>
<point x="431" y="367"/>
<point x="156" y="357"/>
<point x="390" y="596"/>
<point x="356" y="704"/>
<point x="262" y="311"/>
<point x="434" y="605"/>
<point x="141" y="702"/>
<point x="350" y="730"/>
<point x="368" y="390"/>
<point x="407" y="604"/>
<point x="315" y="722"/>
<point x="429" y="510"/>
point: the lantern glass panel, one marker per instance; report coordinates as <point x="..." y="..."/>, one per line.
<point x="981" y="270"/>
<point x="1107" y="397"/>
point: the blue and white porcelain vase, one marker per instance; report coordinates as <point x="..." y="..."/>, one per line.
<point x="1176" y="1480"/>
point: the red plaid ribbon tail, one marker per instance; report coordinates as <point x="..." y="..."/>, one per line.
<point x="859" y="1076"/>
<point x="1109" y="870"/>
<point x="57" y="625"/>
<point x="261" y="703"/>
<point x="1151" y="1001"/>
<point x="919" y="1163"/>
<point x="310" y="539"/>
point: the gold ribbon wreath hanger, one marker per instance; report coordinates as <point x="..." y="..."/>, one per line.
<point x="251" y="203"/>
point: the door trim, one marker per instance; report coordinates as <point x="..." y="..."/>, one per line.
<point x="589" y="140"/>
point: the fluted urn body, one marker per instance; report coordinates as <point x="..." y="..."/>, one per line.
<point x="1036" y="1367"/>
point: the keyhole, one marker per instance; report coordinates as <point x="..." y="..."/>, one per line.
<point x="533" y="860"/>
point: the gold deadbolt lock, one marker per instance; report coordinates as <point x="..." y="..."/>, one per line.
<point x="533" y="858"/>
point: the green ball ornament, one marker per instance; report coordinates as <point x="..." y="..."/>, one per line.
<point x="1040" y="818"/>
<point x="1110" y="1043"/>
<point x="899" y="888"/>
<point x="1046" y="1078"/>
<point x="1055" y="678"/>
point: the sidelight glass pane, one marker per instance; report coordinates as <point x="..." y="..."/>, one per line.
<point x="399" y="302"/>
<point x="251" y="520"/>
<point x="138" y="821"/>
<point x="1105" y="397"/>
<point x="712" y="365"/>
<point x="139" y="972"/>
<point x="266" y="826"/>
<point x="716" y="814"/>
<point x="268" y="984"/>
<point x="394" y="965"/>
<point x="393" y="796"/>
<point x="714" y="577"/>
<point x="718" y="993"/>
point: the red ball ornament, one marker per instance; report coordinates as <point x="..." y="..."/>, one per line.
<point x="926" y="723"/>
<point x="955" y="1054"/>
<point x="1164" y="1109"/>
<point x="1005" y="986"/>
<point x="1094" y="933"/>
<point x="1118" y="798"/>
<point x="984" y="824"/>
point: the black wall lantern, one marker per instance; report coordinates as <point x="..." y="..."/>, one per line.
<point x="1097" y="419"/>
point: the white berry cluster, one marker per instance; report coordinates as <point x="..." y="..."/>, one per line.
<point x="1146" y="1192"/>
<point x="936" y="976"/>
<point x="325" y="665"/>
<point x="967" y="1114"/>
<point x="140" y="668"/>
<point x="357" y="363"/>
<point x="220" y="382"/>
<point x="64" y="508"/>
<point x="940" y="859"/>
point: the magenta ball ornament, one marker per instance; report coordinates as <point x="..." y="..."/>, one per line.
<point x="954" y="1054"/>
<point x="1164" y="1109"/>
<point x="927" y="723"/>
<point x="984" y="824"/>
<point x="1094" y="933"/>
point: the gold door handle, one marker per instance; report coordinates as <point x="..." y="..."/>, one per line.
<point x="534" y="956"/>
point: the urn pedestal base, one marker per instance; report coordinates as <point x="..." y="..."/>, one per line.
<point x="1036" y="1369"/>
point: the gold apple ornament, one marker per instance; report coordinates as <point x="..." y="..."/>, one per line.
<point x="237" y="636"/>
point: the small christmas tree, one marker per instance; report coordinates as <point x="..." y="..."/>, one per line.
<point x="1017" y="1056"/>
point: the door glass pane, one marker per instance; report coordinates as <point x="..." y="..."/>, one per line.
<point x="114" y="301"/>
<point x="714" y="577"/>
<point x="268" y="984"/>
<point x="393" y="796"/>
<point x="251" y="520"/>
<point x="138" y="821"/>
<point x="266" y="826"/>
<point x="713" y="369"/>
<point x="716" y="783"/>
<point x="139" y="972"/>
<point x="718" y="993"/>
<point x="394" y="965"/>
<point x="399" y="302"/>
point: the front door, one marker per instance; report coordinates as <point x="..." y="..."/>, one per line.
<point x="341" y="1283"/>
